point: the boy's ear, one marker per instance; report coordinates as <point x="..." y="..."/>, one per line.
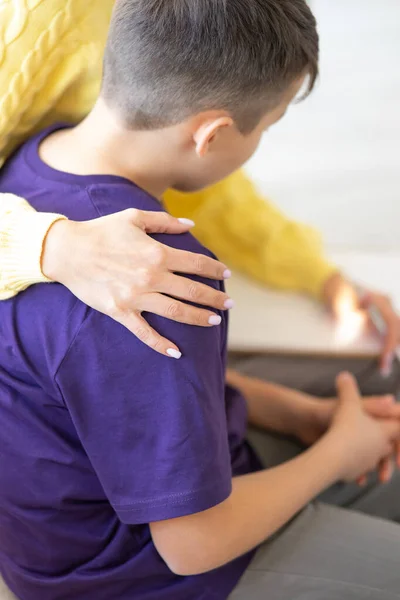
<point x="207" y="131"/>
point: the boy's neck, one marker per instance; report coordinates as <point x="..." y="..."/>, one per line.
<point x="100" y="146"/>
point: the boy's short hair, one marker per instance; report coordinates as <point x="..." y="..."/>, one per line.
<point x="167" y="60"/>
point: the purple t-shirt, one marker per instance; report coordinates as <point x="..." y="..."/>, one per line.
<point x="100" y="435"/>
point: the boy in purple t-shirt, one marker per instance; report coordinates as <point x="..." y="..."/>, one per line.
<point x="126" y="474"/>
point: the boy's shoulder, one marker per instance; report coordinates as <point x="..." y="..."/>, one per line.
<point x="112" y="197"/>
<point x="79" y="197"/>
<point x="45" y="319"/>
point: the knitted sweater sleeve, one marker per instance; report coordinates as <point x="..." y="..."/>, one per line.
<point x="50" y="67"/>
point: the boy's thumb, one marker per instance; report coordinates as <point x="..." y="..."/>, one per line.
<point x="347" y="388"/>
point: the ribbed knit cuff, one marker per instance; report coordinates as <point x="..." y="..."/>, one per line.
<point x="21" y="244"/>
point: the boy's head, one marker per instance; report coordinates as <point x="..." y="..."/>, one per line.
<point x="219" y="71"/>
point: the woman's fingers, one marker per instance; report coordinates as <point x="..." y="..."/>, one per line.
<point x="146" y="334"/>
<point x="159" y="222"/>
<point x="390" y="344"/>
<point x="193" y="291"/>
<point x="391" y="322"/>
<point x="182" y="261"/>
<point x="117" y="269"/>
<point x="172" y="309"/>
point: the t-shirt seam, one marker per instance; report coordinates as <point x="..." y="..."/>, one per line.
<point x="39" y="175"/>
<point x="179" y="497"/>
<point x="92" y="202"/>
<point x="90" y="311"/>
<point x="84" y="187"/>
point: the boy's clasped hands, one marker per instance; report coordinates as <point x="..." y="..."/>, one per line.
<point x="367" y="430"/>
<point x="363" y="433"/>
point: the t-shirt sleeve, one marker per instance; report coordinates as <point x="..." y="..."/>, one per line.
<point x="154" y="428"/>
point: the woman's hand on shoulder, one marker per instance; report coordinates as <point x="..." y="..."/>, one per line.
<point x="112" y="265"/>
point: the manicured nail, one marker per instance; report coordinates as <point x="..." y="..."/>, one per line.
<point x="215" y="320"/>
<point x="229" y="303"/>
<point x="227" y="274"/>
<point x="187" y="222"/>
<point x="174" y="353"/>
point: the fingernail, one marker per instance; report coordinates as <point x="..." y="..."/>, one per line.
<point x="187" y="222"/>
<point x="174" y="353"/>
<point x="215" y="320"/>
<point x="229" y="303"/>
<point x="227" y="274"/>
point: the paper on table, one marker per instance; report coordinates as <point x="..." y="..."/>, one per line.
<point x="269" y="321"/>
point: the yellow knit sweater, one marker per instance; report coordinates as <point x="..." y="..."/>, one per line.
<point x="50" y="70"/>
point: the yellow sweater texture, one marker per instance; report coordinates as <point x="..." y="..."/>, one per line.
<point x="50" y="70"/>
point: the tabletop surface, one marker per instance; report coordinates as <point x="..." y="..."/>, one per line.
<point x="265" y="320"/>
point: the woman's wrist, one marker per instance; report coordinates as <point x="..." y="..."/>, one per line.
<point x="24" y="234"/>
<point x="56" y="247"/>
<point x="332" y="288"/>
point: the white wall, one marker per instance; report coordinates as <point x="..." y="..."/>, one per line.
<point x="334" y="161"/>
